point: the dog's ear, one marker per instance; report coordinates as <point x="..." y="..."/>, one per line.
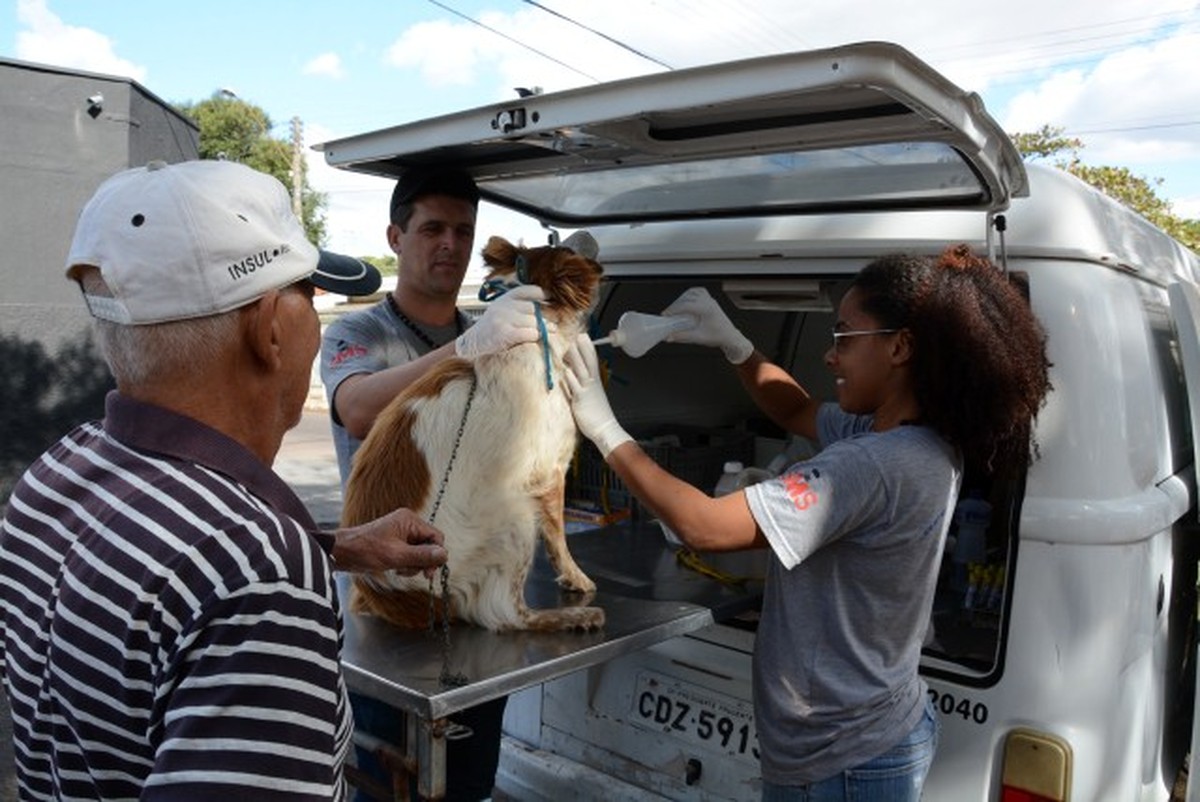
<point x="499" y="255"/>
<point x="569" y="279"/>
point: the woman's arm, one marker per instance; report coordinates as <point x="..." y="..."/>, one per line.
<point x="701" y="521"/>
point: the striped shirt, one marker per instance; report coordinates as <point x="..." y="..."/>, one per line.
<point x="169" y="623"/>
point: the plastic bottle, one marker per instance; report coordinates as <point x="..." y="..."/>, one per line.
<point x="972" y="593"/>
<point x="996" y="594"/>
<point x="972" y="515"/>
<point x="797" y="449"/>
<point x="736" y="476"/>
<point x="637" y="332"/>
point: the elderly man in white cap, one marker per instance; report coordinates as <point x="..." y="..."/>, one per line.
<point x="169" y="623"/>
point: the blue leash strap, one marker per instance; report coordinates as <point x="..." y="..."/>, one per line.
<point x="493" y="288"/>
<point x="544" y="336"/>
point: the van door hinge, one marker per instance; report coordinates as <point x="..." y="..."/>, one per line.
<point x="508" y="121"/>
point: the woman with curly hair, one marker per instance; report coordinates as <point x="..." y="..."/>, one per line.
<point x="940" y="367"/>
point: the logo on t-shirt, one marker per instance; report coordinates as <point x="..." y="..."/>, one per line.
<point x="799" y="490"/>
<point x="347" y="351"/>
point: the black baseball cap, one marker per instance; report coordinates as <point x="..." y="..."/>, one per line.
<point x="417" y="181"/>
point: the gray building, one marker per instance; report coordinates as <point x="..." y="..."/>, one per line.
<point x="62" y="132"/>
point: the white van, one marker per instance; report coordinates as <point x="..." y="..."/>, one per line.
<point x="1062" y="660"/>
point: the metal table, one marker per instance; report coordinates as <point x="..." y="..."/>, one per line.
<point x="647" y="596"/>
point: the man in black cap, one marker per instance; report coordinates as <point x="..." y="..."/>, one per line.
<point x="370" y="356"/>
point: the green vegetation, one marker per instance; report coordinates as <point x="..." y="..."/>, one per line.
<point x="1119" y="183"/>
<point x="231" y="128"/>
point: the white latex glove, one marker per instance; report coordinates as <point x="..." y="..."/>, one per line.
<point x="507" y="321"/>
<point x="589" y="404"/>
<point x="712" y="327"/>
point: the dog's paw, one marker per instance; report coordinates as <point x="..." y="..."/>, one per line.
<point x="563" y="618"/>
<point x="585" y="618"/>
<point x="576" y="582"/>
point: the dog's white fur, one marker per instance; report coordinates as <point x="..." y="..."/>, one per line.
<point x="507" y="480"/>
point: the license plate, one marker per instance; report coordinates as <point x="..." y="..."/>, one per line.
<point x="695" y="715"/>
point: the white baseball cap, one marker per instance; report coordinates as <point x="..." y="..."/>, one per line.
<point x="197" y="238"/>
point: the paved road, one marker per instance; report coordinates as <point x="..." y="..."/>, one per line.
<point x="307" y="462"/>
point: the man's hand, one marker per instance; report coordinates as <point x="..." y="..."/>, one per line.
<point x="399" y="541"/>
<point x="589" y="404"/>
<point x="507" y="321"/>
<point x="713" y="327"/>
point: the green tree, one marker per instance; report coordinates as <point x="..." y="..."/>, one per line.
<point x="231" y="128"/>
<point x="387" y="265"/>
<point x="1119" y="183"/>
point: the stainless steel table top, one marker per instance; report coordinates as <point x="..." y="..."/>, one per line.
<point x="646" y="595"/>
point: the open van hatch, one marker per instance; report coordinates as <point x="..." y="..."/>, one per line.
<point x="863" y="127"/>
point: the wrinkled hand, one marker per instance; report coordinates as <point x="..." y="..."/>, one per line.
<point x="713" y="327"/>
<point x="400" y="541"/>
<point x="589" y="404"/>
<point x="507" y="321"/>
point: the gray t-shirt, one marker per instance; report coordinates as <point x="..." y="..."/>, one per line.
<point x="856" y="535"/>
<point x="368" y="341"/>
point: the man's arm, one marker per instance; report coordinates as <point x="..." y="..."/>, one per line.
<point x="360" y="398"/>
<point x="400" y="541"/>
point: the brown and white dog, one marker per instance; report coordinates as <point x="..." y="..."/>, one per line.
<point x="507" y="480"/>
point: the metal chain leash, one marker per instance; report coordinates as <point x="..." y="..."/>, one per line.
<point x="448" y="679"/>
<point x="417" y="331"/>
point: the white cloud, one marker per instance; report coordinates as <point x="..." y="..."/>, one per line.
<point x="47" y="40"/>
<point x="425" y="48"/>
<point x="528" y="48"/>
<point x="327" y="64"/>
<point x="1050" y="103"/>
<point x="356" y="214"/>
<point x="1137" y="105"/>
<point x="1187" y="207"/>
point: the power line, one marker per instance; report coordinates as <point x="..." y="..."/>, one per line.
<point x="1051" y="50"/>
<point x="1148" y="127"/>
<point x="601" y="34"/>
<point x="516" y="42"/>
<point x="1149" y="23"/>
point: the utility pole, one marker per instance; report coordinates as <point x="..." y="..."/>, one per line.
<point x="297" y="157"/>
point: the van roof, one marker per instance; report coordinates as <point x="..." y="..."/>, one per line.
<point x="864" y="126"/>
<point x="1061" y="218"/>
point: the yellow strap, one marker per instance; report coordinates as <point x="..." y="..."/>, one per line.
<point x="690" y="559"/>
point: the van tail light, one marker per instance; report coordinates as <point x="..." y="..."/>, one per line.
<point x="1014" y="795"/>
<point x="1037" y="768"/>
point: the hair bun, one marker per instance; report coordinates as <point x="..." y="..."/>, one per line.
<point x="960" y="257"/>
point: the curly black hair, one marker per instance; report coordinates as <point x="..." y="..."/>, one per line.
<point x="980" y="368"/>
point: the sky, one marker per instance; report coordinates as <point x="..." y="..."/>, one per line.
<point x="1122" y="80"/>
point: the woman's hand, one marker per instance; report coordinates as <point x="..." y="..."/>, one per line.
<point x="589" y="404"/>
<point x="713" y="327"/>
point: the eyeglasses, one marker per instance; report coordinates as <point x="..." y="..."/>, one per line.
<point x="838" y="336"/>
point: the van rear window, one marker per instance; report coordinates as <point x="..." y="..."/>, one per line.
<point x="909" y="175"/>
